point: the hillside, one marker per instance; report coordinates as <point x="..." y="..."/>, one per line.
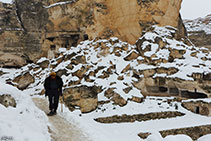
<point x="199" y="31"/>
<point x="110" y="84"/>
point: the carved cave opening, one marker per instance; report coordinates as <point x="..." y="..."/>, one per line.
<point x="197" y="109"/>
<point x="194" y="95"/>
<point x="163" y="89"/>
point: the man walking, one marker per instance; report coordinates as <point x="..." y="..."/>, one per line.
<point x="53" y="89"/>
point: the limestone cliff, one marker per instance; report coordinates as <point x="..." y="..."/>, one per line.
<point x="125" y="19"/>
<point x="30" y="28"/>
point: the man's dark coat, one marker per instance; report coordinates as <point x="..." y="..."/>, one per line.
<point x="47" y="86"/>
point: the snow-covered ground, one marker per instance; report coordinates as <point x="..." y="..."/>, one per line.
<point x="26" y="122"/>
<point x="23" y="123"/>
<point x="199" y="24"/>
<point x="7" y="1"/>
<point x="129" y="131"/>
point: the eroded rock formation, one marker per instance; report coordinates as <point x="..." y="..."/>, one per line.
<point x="30" y="28"/>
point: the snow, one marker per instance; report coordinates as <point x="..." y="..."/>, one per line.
<point x="199" y="24"/>
<point x="7" y="1"/>
<point x="154" y="48"/>
<point x="205" y="138"/>
<point x="158" y="137"/>
<point x="26" y="121"/>
<point x="60" y="3"/>
<point x="42" y="59"/>
<point x="129" y="131"/>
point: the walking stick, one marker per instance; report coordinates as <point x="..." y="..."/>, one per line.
<point x="62" y="104"/>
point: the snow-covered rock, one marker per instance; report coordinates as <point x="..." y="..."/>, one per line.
<point x="199" y="24"/>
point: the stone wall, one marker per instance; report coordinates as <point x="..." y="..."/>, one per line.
<point x="193" y="132"/>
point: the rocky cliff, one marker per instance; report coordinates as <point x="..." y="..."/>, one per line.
<point x="29" y="28"/>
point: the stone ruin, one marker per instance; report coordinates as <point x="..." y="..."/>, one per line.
<point x="199" y="107"/>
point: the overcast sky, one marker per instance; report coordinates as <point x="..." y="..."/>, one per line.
<point x="192" y="9"/>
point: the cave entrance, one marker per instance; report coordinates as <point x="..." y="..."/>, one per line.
<point x="194" y="95"/>
<point x="197" y="109"/>
<point x="53" y="47"/>
<point x="163" y="89"/>
<point x="70" y="40"/>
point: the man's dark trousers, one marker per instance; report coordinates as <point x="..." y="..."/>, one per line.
<point x="53" y="100"/>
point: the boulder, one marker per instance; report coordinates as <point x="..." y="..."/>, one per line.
<point x="1" y="73"/>
<point x="7" y="100"/>
<point x="69" y="56"/>
<point x="133" y="55"/>
<point x="137" y="99"/>
<point x="118" y="100"/>
<point x="126" y="68"/>
<point x="79" y="60"/>
<point x="44" y="64"/>
<point x="115" y="97"/>
<point x="11" y="61"/>
<point x="61" y="72"/>
<point x="23" y="81"/>
<point x="177" y="53"/>
<point x="127" y="90"/>
<point x="81" y="72"/>
<point x="83" y="97"/>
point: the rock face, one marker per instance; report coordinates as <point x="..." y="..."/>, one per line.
<point x="125" y="19"/>
<point x="7" y="100"/>
<point x="17" y="39"/>
<point x="32" y="28"/>
<point x="33" y="17"/>
<point x="199" y="31"/>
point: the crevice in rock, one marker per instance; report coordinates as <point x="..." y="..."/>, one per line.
<point x="18" y="16"/>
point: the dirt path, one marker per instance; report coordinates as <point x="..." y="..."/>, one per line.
<point x="61" y="129"/>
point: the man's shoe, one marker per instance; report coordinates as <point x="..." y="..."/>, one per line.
<point x="51" y="113"/>
<point x="54" y="112"/>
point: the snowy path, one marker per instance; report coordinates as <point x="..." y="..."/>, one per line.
<point x="61" y="129"/>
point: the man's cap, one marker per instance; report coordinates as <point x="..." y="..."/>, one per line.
<point x="52" y="74"/>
